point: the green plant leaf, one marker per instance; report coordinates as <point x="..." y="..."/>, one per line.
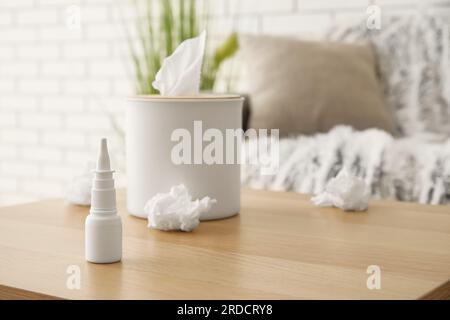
<point x="166" y="26"/>
<point x="225" y="51"/>
<point x="193" y="32"/>
<point x="181" y="22"/>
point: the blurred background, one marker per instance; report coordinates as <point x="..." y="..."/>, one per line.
<point x="66" y="67"/>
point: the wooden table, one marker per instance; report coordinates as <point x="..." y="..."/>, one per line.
<point x="279" y="247"/>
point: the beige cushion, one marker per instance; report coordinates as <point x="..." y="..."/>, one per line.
<point x="307" y="87"/>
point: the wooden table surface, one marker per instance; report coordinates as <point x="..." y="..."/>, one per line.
<point x="279" y="247"/>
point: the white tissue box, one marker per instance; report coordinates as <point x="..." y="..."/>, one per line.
<point x="150" y="127"/>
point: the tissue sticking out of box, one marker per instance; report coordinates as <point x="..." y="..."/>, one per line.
<point x="176" y="210"/>
<point x="79" y="189"/>
<point x="345" y="191"/>
<point x="180" y="72"/>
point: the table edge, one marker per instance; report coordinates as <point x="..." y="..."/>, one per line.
<point x="12" y="293"/>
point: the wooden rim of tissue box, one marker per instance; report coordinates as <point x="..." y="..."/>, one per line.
<point x="197" y="98"/>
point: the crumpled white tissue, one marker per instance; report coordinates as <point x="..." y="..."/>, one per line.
<point x="79" y="190"/>
<point x="345" y="191"/>
<point x="176" y="210"/>
<point x="180" y="72"/>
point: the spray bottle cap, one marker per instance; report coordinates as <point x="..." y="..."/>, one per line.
<point x="103" y="193"/>
<point x="103" y="163"/>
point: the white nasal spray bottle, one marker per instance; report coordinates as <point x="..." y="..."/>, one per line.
<point x="103" y="228"/>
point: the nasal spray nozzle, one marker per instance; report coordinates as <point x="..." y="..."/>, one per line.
<point x="103" y="228"/>
<point x="103" y="163"/>
<point x="103" y="193"/>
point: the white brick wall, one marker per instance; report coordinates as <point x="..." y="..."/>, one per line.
<point x="58" y="84"/>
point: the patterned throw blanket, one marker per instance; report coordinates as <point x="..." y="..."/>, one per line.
<point x="407" y="169"/>
<point x="413" y="54"/>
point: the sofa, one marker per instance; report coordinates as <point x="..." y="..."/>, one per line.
<point x="409" y="161"/>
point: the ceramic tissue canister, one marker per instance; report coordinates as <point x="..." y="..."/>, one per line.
<point x="103" y="227"/>
<point x="151" y="122"/>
